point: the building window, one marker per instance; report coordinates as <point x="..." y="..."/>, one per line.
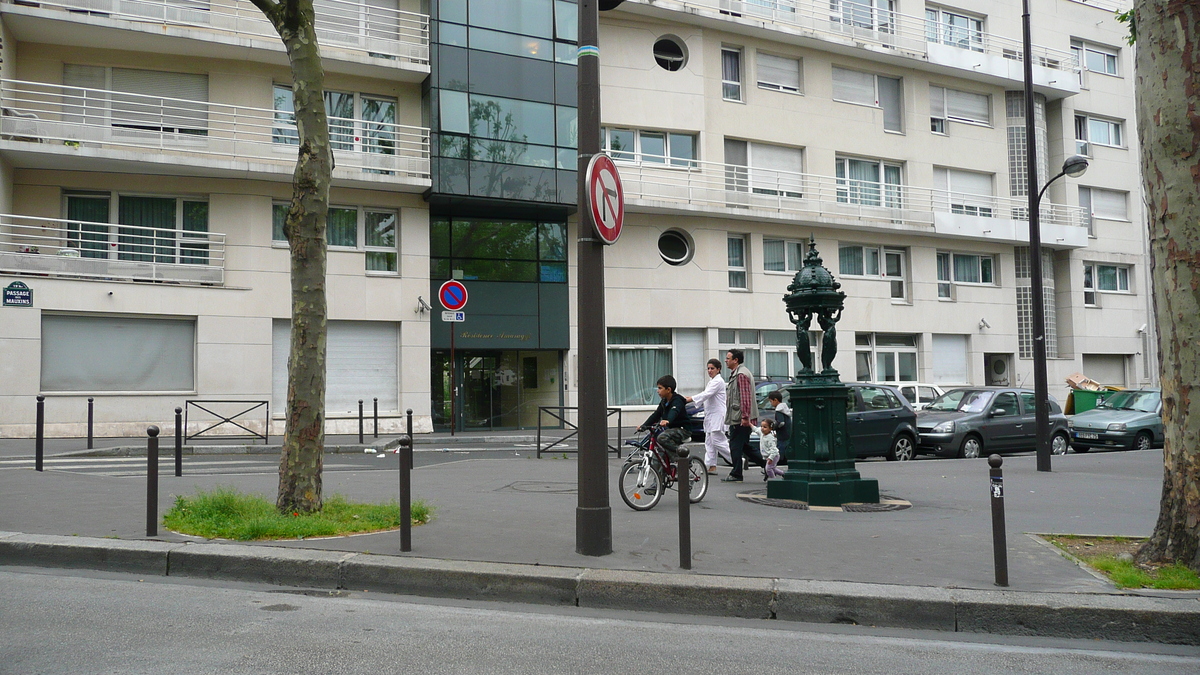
<point x="944" y="276"/>
<point x="346" y="226"/>
<point x="880" y="91"/>
<point x="650" y="147"/>
<point x="357" y="122"/>
<point x="973" y="269"/>
<point x="1103" y="278"/>
<point x="764" y="169"/>
<point x="637" y="357"/>
<point x="675" y="247"/>
<point x="964" y="192"/>
<point x="737" y="261"/>
<point x="874" y="261"/>
<point x="880" y="357"/>
<point x="117" y="354"/>
<point x="1094" y="58"/>
<point x="1095" y="131"/>
<point x="779" y="73"/>
<point x="670" y="53"/>
<point x="493" y="250"/>
<point x="782" y="255"/>
<point x="869" y="182"/>
<point x="952" y="28"/>
<point x="731" y="73"/>
<point x="142" y="100"/>
<point x="746" y="340"/>
<point x="960" y="106"/>
<point x="1023" y="270"/>
<point x="147" y="229"/>
<point x="1104" y="204"/>
<point x="875" y="15"/>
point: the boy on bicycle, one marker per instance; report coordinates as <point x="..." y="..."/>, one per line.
<point x="671" y="414"/>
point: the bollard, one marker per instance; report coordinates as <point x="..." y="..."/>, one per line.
<point x="152" y="481"/>
<point x="375" y="429"/>
<point x="360" y="422"/>
<point x="90" y="437"/>
<point x="178" y="441"/>
<point x="999" y="543"/>
<point x="684" y="485"/>
<point x="39" y="445"/>
<point x="406" y="465"/>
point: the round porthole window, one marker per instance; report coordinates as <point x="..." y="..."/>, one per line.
<point x="670" y="53"/>
<point x="675" y="247"/>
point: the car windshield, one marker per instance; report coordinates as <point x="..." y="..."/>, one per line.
<point x="961" y="400"/>
<point x="1141" y="401"/>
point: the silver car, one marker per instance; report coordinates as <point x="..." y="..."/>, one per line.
<point x="975" y="421"/>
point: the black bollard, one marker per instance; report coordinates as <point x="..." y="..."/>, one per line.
<point x="406" y="464"/>
<point x="999" y="539"/>
<point x="178" y="441"/>
<point x="684" y="485"/>
<point x="152" y="481"/>
<point x="39" y="444"/>
<point x="375" y="430"/>
<point x="360" y="422"/>
<point x="91" y="401"/>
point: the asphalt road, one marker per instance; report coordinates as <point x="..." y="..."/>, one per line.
<point x="72" y="622"/>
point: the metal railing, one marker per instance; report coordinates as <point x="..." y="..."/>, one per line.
<point x="559" y="413"/>
<point x="863" y="22"/>
<point x="244" y="408"/>
<point x="74" y="248"/>
<point x="341" y="24"/>
<point x="802" y="195"/>
<point x="112" y="120"/>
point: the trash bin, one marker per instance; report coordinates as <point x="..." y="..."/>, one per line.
<point x="1086" y="399"/>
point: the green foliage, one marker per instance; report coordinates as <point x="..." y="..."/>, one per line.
<point x="226" y="513"/>
<point x="1131" y="19"/>
<point x="1125" y="574"/>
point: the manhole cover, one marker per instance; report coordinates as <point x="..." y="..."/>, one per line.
<point x="886" y="503"/>
<point x="540" y="486"/>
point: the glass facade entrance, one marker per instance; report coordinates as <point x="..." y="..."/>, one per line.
<point x="496" y="389"/>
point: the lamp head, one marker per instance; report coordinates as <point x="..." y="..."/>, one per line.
<point x="1075" y="166"/>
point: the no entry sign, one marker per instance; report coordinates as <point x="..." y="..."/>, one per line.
<point x="453" y="295"/>
<point x="606" y="197"/>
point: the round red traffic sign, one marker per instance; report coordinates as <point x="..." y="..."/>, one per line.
<point x="606" y="197"/>
<point x="453" y="295"/>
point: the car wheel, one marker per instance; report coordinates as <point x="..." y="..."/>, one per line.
<point x="971" y="448"/>
<point x="902" y="449"/>
<point x="1143" y="441"/>
<point x="1059" y="445"/>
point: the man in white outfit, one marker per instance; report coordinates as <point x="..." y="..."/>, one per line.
<point x="712" y="401"/>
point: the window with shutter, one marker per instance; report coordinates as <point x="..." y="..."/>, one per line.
<point x="775" y="170"/>
<point x="778" y="73"/>
<point x="852" y="86"/>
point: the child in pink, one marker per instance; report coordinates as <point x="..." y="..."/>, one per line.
<point x="769" y="448"/>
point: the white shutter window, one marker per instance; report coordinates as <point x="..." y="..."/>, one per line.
<point x="965" y="106"/>
<point x="891" y="99"/>
<point x="689" y="360"/>
<point x="937" y="102"/>
<point x="851" y="86"/>
<point x="775" y="169"/>
<point x="950" y="359"/>
<point x="1109" y="204"/>
<point x="777" y="72"/>
<point x="84" y="107"/>
<point x="970" y="182"/>
<point x="110" y="354"/>
<point x="941" y="179"/>
<point x="165" y="101"/>
<point x="361" y="362"/>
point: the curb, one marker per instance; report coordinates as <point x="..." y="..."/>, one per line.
<point x="1116" y="617"/>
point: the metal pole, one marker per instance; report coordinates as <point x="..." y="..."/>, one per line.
<point x="91" y="401"/>
<point x="39" y="444"/>
<point x="152" y="481"/>
<point x="178" y="442"/>
<point x="1037" y="308"/>
<point x="999" y="538"/>
<point x="406" y="457"/>
<point x="453" y="384"/>
<point x="684" y="485"/>
<point x="375" y="430"/>
<point x="360" y="422"/>
<point x="593" y="515"/>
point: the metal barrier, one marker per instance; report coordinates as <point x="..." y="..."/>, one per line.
<point x="564" y="423"/>
<point x="254" y="405"/>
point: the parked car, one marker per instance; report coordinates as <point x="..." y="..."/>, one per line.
<point x="1130" y="419"/>
<point x="920" y="395"/>
<point x="976" y="421"/>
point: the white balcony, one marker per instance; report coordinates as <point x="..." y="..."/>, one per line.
<point x="744" y="193"/>
<point x="360" y="31"/>
<point x="59" y="127"/>
<point x="856" y="28"/>
<point x="86" y="250"/>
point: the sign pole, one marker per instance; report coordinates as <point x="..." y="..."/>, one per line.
<point x="593" y="515"/>
<point x="453" y="296"/>
<point x="453" y="383"/>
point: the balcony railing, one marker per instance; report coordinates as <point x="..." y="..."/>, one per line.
<point x="72" y="248"/>
<point x="110" y="120"/>
<point x="361" y="26"/>
<point x="711" y="185"/>
<point x="863" y="22"/>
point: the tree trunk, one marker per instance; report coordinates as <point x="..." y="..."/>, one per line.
<point x="304" y="438"/>
<point x="1168" y="85"/>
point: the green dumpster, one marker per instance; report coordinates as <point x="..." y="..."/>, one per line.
<point x="1086" y="400"/>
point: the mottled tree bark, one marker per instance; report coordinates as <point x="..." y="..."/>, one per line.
<point x="304" y="438"/>
<point x="1168" y="87"/>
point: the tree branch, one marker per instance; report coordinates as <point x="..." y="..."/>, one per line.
<point x="268" y="7"/>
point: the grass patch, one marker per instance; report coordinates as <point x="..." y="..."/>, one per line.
<point x="1108" y="556"/>
<point x="226" y="513"/>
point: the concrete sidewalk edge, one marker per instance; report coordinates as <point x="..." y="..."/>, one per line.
<point x="1117" y="617"/>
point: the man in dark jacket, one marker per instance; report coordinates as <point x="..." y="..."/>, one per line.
<point x="672" y="414"/>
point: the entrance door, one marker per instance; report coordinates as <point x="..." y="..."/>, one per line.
<point x="495" y="389"/>
<point x="480" y="392"/>
<point x="996" y="369"/>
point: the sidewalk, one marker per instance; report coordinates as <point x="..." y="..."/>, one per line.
<point x="520" y="513"/>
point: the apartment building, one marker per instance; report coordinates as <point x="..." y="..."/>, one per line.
<point x="147" y="147"/>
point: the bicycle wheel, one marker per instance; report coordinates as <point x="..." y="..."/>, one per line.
<point x="698" y="475"/>
<point x="641" y="486"/>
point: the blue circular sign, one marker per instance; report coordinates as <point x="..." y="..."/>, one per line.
<point x="453" y="295"/>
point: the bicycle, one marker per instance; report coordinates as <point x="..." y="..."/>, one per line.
<point x="649" y="471"/>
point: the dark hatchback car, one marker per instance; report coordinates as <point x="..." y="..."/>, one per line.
<point x="976" y="421"/>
